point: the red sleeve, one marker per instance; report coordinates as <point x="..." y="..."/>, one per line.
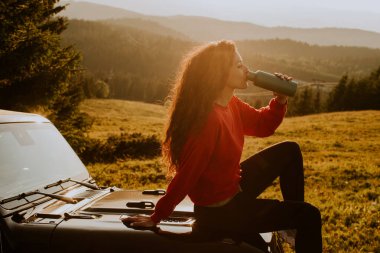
<point x="261" y="122"/>
<point x="195" y="158"/>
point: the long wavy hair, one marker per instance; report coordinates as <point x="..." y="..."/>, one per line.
<point x="200" y="78"/>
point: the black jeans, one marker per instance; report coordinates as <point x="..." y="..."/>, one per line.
<point x="245" y="215"/>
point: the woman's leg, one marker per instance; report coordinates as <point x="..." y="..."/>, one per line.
<point x="284" y="160"/>
<point x="244" y="217"/>
<point x="265" y="215"/>
<point x="216" y="223"/>
<point x="258" y="172"/>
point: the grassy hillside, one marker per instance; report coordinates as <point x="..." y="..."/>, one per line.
<point x="341" y="154"/>
<point x="112" y="116"/>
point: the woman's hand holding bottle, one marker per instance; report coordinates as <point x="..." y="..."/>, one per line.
<point x="279" y="97"/>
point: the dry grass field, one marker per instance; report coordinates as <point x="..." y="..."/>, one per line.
<point x="341" y="160"/>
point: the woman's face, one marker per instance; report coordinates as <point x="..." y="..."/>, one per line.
<point x="237" y="78"/>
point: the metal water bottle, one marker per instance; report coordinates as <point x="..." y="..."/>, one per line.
<point x="271" y="82"/>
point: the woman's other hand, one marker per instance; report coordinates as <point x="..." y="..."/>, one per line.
<point x="142" y="221"/>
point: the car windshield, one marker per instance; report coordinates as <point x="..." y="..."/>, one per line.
<point x="33" y="155"/>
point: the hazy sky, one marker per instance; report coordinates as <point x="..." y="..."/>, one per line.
<point x="362" y="14"/>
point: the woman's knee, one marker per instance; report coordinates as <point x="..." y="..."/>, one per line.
<point x="291" y="146"/>
<point x="292" y="150"/>
<point x="312" y="215"/>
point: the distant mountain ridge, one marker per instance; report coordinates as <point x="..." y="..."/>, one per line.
<point x="90" y="11"/>
<point x="140" y="64"/>
<point x="147" y="26"/>
<point x="206" y="29"/>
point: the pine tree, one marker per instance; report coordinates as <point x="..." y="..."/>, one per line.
<point x="360" y="94"/>
<point x="351" y="98"/>
<point x="374" y="82"/>
<point x="36" y="71"/>
<point x="305" y="103"/>
<point x="317" y="102"/>
<point x="34" y="68"/>
<point x="335" y="100"/>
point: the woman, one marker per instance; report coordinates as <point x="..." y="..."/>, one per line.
<point x="203" y="146"/>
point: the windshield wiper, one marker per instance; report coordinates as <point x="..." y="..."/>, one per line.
<point x="54" y="196"/>
<point x="91" y="186"/>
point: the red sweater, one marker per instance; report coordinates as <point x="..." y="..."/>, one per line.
<point x="209" y="167"/>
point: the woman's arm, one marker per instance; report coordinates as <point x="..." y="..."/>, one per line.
<point x="264" y="121"/>
<point x="195" y="158"/>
